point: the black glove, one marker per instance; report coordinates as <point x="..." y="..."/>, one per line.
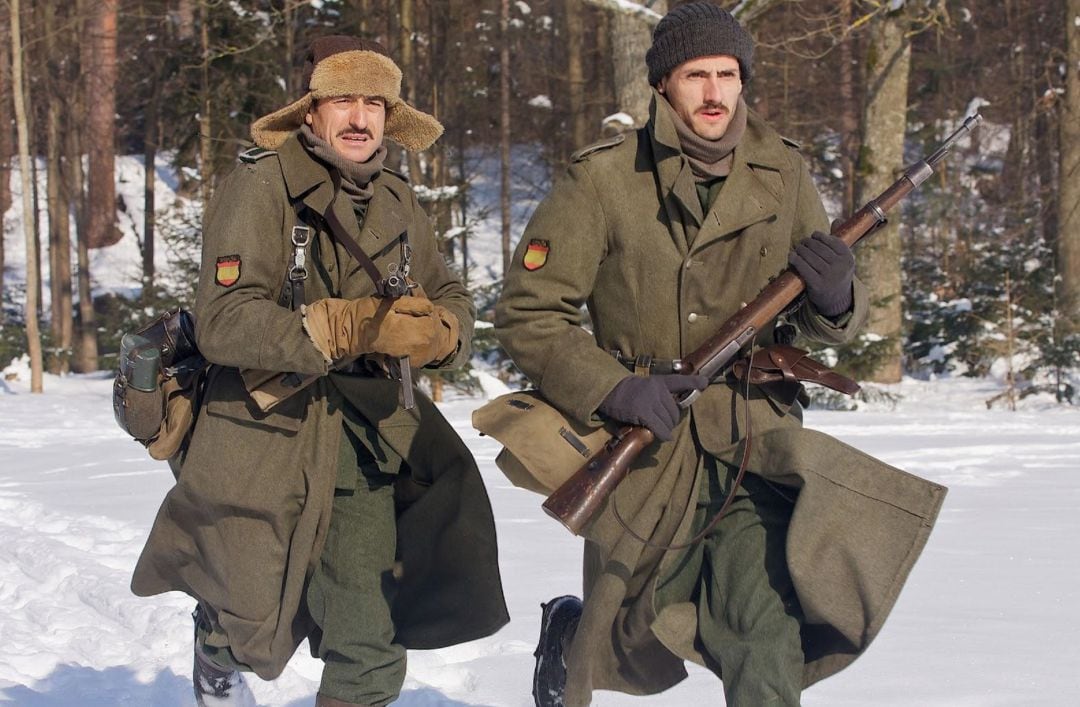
<point x="649" y="401"/>
<point x="828" y="267"/>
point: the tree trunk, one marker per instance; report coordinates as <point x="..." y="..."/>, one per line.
<point x="884" y="122"/>
<point x="288" y="61"/>
<point x="101" y="125"/>
<point x="1068" y="220"/>
<point x="86" y="349"/>
<point x="33" y="335"/>
<point x="206" y="153"/>
<point x="185" y="19"/>
<point x="7" y="150"/>
<point x="504" y="131"/>
<point x="365" y="10"/>
<point x="407" y="56"/>
<point x="59" y="206"/>
<point x="150" y="143"/>
<point x="849" y="111"/>
<point x="630" y="40"/>
<point x="575" y="73"/>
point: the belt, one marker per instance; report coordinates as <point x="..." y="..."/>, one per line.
<point x="647" y="365"/>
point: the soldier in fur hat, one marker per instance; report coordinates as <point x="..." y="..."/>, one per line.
<point x="326" y="509"/>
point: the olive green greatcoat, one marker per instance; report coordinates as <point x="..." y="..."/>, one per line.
<point x="626" y="237"/>
<point x="244" y="525"/>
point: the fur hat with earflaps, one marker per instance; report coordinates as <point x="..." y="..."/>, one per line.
<point x="349" y="66"/>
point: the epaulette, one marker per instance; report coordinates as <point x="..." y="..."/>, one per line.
<point x="598" y="146"/>
<point x="790" y="143"/>
<point x="253" y="155"/>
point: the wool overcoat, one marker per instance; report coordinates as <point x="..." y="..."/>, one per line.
<point x="244" y="526"/>
<point x="621" y="257"/>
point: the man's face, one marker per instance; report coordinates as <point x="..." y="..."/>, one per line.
<point x="353" y="125"/>
<point x="704" y="92"/>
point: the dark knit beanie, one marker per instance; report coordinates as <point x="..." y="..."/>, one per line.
<point x="698" y="29"/>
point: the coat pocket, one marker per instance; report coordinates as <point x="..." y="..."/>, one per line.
<point x="228" y="398"/>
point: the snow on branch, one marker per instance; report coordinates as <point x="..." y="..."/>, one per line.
<point x="746" y="11"/>
<point x="626" y="7"/>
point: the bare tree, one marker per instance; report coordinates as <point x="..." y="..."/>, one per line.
<point x="33" y="334"/>
<point x="61" y="319"/>
<point x="7" y="150"/>
<point x="86" y="349"/>
<point x="504" y="129"/>
<point x="206" y="151"/>
<point x="1069" y="174"/>
<point x="884" y="126"/>
<point x="101" y="125"/>
<point x="630" y="40"/>
<point x="575" y="72"/>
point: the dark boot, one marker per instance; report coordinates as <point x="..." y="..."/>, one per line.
<point x="216" y="686"/>
<point x="557" y="625"/>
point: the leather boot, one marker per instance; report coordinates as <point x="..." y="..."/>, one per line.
<point x="557" y="626"/>
<point x="214" y="685"/>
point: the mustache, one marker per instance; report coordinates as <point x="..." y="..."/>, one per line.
<point x="354" y="131"/>
<point x="713" y="105"/>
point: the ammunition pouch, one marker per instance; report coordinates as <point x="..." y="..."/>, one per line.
<point x="156" y="389"/>
<point x="542" y="448"/>
<point x="780" y="370"/>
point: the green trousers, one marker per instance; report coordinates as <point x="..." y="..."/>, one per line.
<point x="748" y="613"/>
<point x="350" y="594"/>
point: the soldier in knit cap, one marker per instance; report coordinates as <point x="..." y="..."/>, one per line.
<point x="313" y="502"/>
<point x="663" y="234"/>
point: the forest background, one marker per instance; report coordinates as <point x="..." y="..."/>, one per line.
<point x="978" y="274"/>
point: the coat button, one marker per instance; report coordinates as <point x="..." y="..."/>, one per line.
<point x="692" y="317"/>
<point x="764" y="251"/>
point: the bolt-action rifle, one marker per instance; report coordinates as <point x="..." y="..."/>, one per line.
<point x="580" y="498"/>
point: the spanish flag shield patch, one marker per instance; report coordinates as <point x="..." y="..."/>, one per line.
<point x="228" y="270"/>
<point x="536" y="254"/>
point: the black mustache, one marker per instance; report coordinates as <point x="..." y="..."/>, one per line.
<point x="345" y="133"/>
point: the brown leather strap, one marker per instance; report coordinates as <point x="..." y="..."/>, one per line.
<point x="789" y="367"/>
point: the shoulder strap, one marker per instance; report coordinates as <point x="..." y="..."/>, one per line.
<point x="341" y="235"/>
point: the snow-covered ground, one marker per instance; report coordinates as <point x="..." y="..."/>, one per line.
<point x="990" y="616"/>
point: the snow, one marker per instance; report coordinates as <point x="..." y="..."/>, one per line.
<point x="540" y="102"/>
<point x="117" y="268"/>
<point x="989" y="616"/>
<point x="618" y="120"/>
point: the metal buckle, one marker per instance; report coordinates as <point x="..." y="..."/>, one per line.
<point x="301" y="238"/>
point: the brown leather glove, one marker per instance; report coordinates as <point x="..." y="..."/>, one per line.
<point x="406" y="326"/>
<point x="448" y="336"/>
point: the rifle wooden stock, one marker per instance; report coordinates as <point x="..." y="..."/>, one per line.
<point x="580" y="498"/>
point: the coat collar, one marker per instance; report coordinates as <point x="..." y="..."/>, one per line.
<point x="676" y="179"/>
<point x="749" y="195"/>
<point x="309" y="181"/>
